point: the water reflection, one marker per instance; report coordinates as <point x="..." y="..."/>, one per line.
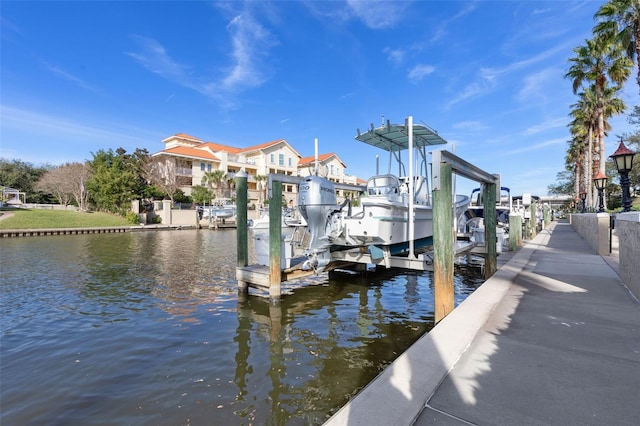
<point x="148" y="328"/>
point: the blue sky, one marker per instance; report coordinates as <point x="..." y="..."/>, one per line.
<point x="81" y="76"/>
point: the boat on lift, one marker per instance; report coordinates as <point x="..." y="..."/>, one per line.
<point x="504" y="206"/>
<point x="394" y="215"/>
<point x="472" y="224"/>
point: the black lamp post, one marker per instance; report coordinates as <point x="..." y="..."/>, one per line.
<point x="623" y="158"/>
<point x="583" y="198"/>
<point x="600" y="181"/>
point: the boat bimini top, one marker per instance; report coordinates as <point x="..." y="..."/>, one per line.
<point x="395" y="137"/>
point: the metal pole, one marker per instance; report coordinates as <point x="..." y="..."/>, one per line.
<point x="601" y="200"/>
<point x="411" y="189"/>
<point x="626" y="195"/>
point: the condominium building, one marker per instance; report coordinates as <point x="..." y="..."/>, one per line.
<point x="187" y="159"/>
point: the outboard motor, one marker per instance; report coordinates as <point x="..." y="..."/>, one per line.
<point x="317" y="200"/>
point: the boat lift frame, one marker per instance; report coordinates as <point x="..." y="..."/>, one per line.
<point x="443" y="166"/>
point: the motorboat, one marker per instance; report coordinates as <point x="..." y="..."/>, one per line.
<point x="472" y="224"/>
<point x="290" y="218"/>
<point x="504" y="206"/>
<point x="222" y="210"/>
<point x="394" y="214"/>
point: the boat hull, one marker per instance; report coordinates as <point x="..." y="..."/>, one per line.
<point x="386" y="223"/>
<point x="383" y="224"/>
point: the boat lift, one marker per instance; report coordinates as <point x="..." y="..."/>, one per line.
<point x="441" y="260"/>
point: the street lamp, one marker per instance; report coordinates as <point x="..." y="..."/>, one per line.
<point x="600" y="181"/>
<point x="623" y="158"/>
<point x="583" y="197"/>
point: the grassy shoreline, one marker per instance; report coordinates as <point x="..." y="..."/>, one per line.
<point x="48" y="219"/>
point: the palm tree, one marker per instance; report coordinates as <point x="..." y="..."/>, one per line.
<point x="573" y="162"/>
<point x="595" y="63"/>
<point x="263" y="187"/>
<point x="584" y="125"/>
<point x="619" y="21"/>
<point x="214" y="178"/>
<point x="582" y="131"/>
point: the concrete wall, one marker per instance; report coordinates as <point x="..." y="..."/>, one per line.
<point x="594" y="228"/>
<point x="628" y="229"/>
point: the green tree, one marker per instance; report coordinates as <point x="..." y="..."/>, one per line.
<point x="584" y="149"/>
<point x="597" y="62"/>
<point x="117" y="178"/>
<point x="619" y="22"/>
<point x="563" y="185"/>
<point x="23" y="176"/>
<point x="214" y="179"/>
<point x="201" y="194"/>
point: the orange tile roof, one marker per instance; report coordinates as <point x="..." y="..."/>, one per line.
<point x="312" y="158"/>
<point x="215" y="147"/>
<point x="262" y="145"/>
<point x="183" y="136"/>
<point x="191" y="152"/>
<point x="321" y="157"/>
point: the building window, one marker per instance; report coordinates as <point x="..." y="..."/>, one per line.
<point x="289" y="161"/>
<point x="202" y="167"/>
<point x="332" y="169"/>
<point x="208" y="167"/>
<point x="272" y="158"/>
<point x="281" y="159"/>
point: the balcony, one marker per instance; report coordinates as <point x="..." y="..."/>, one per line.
<point x="184" y="171"/>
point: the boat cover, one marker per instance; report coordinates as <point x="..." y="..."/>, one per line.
<point x="395" y="137"/>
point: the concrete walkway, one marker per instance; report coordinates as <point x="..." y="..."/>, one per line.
<point x="553" y="338"/>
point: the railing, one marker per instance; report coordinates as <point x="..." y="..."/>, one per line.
<point x="239" y="159"/>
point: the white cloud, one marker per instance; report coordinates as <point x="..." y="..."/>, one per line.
<point x="248" y="39"/>
<point x="155" y="58"/>
<point x="395" y="56"/>
<point x="470" y="125"/>
<point x="536" y="147"/>
<point x="419" y="72"/>
<point x="58" y="71"/>
<point x="378" y="14"/>
<point x="250" y="42"/>
<point x="536" y="85"/>
<point x="50" y="126"/>
<point x="547" y="125"/>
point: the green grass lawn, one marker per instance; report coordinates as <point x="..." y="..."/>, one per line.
<point x="43" y="219"/>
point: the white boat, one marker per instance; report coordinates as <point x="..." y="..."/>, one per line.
<point x="290" y="218"/>
<point x="221" y="210"/>
<point x="380" y="224"/>
<point x="472" y="224"/>
<point x="504" y="205"/>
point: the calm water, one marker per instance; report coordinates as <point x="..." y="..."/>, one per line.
<point x="147" y="328"/>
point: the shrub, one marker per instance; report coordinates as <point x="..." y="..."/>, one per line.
<point x="132" y="218"/>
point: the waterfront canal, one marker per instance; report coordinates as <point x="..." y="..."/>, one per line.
<point x="148" y="328"/>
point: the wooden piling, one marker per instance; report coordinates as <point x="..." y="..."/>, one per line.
<point x="443" y="242"/>
<point x="275" y="239"/>
<point x="515" y="231"/>
<point x="242" y="226"/>
<point x="490" y="223"/>
<point x="533" y="209"/>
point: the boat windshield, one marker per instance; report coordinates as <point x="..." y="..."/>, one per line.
<point x="383" y="185"/>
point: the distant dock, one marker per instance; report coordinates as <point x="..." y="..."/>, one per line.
<point x="10" y="233"/>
